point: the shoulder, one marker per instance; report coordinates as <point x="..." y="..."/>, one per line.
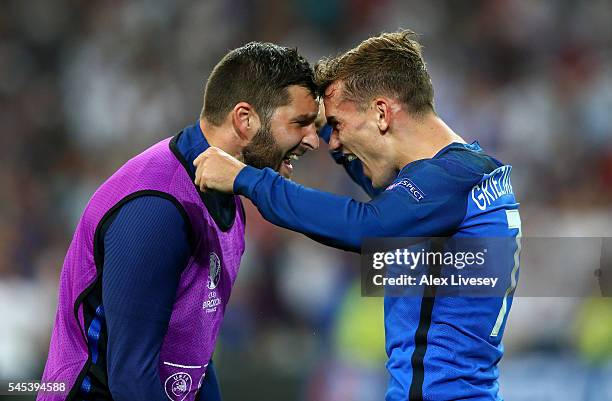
<point x="149" y="213"/>
<point x="452" y="172"/>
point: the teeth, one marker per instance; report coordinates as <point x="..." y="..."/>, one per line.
<point x="293" y="157"/>
<point x="350" y="158"/>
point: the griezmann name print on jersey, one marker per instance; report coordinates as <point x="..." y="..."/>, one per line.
<point x="492" y="188"/>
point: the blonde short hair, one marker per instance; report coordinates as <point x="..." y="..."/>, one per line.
<point x="390" y="64"/>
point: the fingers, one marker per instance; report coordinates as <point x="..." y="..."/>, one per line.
<point x="198" y="174"/>
<point x="201" y="157"/>
<point x="213" y="167"/>
<point x="199" y="163"/>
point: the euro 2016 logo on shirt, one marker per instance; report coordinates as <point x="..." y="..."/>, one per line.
<point x="178" y="386"/>
<point x="214" y="271"/>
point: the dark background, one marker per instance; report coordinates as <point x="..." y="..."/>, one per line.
<point x="85" y="85"/>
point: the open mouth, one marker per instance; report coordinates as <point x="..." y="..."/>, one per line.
<point x="350" y="157"/>
<point x="291" y="157"/>
<point x="287" y="163"/>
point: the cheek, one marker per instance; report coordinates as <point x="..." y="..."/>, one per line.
<point x="298" y="134"/>
<point x="281" y="135"/>
<point x="352" y="137"/>
<point x="286" y="135"/>
<point x="289" y="139"/>
<point x="346" y="134"/>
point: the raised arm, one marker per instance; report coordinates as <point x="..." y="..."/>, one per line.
<point x="341" y="221"/>
<point x="346" y="221"/>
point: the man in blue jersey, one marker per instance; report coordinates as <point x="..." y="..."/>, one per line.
<point x="425" y="181"/>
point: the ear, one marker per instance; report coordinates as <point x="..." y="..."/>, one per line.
<point x="245" y="120"/>
<point x="382" y="108"/>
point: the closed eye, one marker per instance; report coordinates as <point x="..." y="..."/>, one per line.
<point x="305" y="120"/>
<point x="333" y="121"/>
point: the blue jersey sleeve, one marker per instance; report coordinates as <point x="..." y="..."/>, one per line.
<point x="355" y="170"/>
<point x="436" y="208"/>
<point x="146" y="248"/>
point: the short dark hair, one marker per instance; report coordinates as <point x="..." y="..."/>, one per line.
<point x="389" y="64"/>
<point x="256" y="73"/>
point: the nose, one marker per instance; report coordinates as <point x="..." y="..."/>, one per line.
<point x="334" y="142"/>
<point x="311" y="139"/>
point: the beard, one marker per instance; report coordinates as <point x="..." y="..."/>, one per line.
<point x="263" y="151"/>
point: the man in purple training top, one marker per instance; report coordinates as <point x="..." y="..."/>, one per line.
<point x="151" y="266"/>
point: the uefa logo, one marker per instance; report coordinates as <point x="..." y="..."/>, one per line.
<point x="214" y="271"/>
<point x="178" y="386"/>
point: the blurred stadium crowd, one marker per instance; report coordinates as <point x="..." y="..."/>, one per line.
<point x="86" y="85"/>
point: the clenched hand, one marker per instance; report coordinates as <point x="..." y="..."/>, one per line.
<point x="216" y="170"/>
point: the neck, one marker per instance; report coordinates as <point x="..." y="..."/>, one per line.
<point x="426" y="137"/>
<point x="222" y="137"/>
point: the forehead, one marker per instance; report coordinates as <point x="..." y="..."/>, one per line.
<point x="333" y="92"/>
<point x="335" y="103"/>
<point x="301" y="99"/>
<point x="301" y="104"/>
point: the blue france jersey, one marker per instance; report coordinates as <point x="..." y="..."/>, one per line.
<point x="439" y="348"/>
<point x="445" y="348"/>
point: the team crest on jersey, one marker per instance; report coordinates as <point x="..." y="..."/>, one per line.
<point x="214" y="271"/>
<point x="178" y="386"/>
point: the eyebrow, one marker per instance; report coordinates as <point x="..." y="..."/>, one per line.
<point x="306" y="117"/>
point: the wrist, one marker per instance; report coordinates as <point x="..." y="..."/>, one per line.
<point x="245" y="180"/>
